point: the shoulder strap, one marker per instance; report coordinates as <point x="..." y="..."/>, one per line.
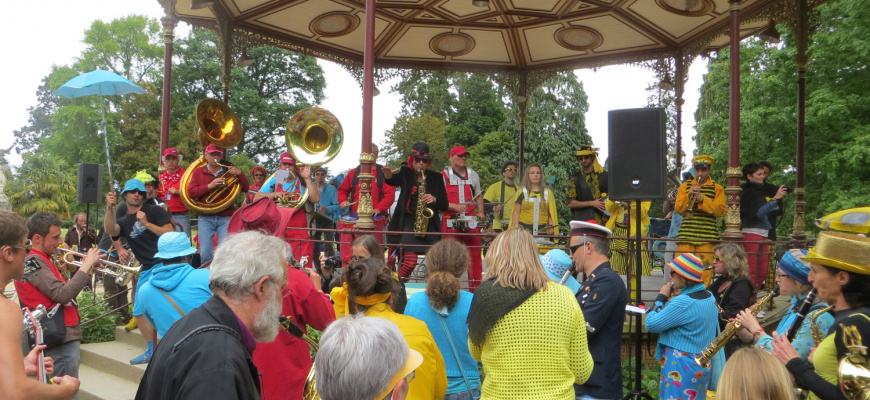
<point x="501" y="211"/>
<point x="455" y="353"/>
<point x="174" y="304"/>
<point x="207" y="328"/>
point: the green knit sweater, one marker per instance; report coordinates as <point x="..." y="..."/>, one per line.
<point x="538" y="350"/>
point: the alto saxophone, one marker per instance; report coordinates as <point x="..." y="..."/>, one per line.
<point x="421" y="217"/>
<point x="730" y="330"/>
<point x="818" y="335"/>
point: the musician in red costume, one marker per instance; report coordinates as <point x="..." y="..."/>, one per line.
<point x="466" y="204"/>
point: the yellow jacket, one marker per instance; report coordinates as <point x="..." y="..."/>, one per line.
<point x="715" y="206"/>
<point x="430" y="382"/>
<point x="538" y="350"/>
<point x="617" y="214"/>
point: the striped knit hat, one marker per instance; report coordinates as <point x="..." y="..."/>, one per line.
<point x="689" y="266"/>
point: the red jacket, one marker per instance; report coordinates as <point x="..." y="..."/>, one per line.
<point x="168" y="181"/>
<point x="285" y="362"/>
<point x="380" y="202"/>
<point x="198" y="188"/>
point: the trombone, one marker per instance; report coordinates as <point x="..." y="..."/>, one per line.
<point x="123" y="273"/>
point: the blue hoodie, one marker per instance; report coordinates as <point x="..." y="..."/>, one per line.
<point x="188" y="287"/>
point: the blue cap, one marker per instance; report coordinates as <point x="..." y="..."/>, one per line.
<point x="556" y="262"/>
<point x="173" y="245"/>
<point x="133" y="185"/>
<point x="793" y="265"/>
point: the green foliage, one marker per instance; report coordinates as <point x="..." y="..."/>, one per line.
<point x="100" y="330"/>
<point x="650" y="377"/>
<point x="409" y="130"/>
<point x="837" y="114"/>
<point x="43" y="184"/>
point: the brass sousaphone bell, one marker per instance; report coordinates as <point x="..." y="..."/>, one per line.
<point x="218" y="125"/>
<point x="314" y="137"/>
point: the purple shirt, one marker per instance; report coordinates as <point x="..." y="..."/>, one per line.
<point x="250" y="342"/>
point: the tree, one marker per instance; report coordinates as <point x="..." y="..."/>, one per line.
<point x="409" y="130"/>
<point x="43" y="184"/>
<point x="131" y="46"/>
<point x="837" y="117"/>
<point x="425" y="92"/>
<point x="265" y="95"/>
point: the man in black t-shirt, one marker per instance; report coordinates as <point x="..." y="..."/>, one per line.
<point x="141" y="226"/>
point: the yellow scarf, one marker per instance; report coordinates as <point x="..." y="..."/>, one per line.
<point x="339" y="297"/>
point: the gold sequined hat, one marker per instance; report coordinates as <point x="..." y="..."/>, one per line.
<point x="845" y="251"/>
<point x="703" y="159"/>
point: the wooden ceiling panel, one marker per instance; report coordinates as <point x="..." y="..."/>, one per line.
<point x="410" y="44"/>
<point x="243" y="6"/>
<point x="540" y="46"/>
<point x="355" y="41"/>
<point x="617" y="34"/>
<point x="539" y="6"/>
<point x="460" y="9"/>
<point x="296" y="18"/>
<point x="676" y="27"/>
<point x="492" y="47"/>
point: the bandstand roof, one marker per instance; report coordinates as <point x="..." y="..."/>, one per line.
<point x="508" y="35"/>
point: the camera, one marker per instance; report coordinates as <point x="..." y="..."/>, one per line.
<point x="333" y="262"/>
<point x="789" y="189"/>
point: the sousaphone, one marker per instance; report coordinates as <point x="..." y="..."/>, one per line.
<point x="314" y="137"/>
<point x="218" y="125"/>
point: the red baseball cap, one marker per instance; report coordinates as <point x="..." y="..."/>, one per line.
<point x="458" y="151"/>
<point x="287" y="158"/>
<point x="170" y="151"/>
<point x="212" y="148"/>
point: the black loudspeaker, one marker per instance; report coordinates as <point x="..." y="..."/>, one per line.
<point x="90" y="188"/>
<point x="637" y="151"/>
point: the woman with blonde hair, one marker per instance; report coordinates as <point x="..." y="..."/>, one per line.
<point x="535" y="205"/>
<point x="732" y="289"/>
<point x="527" y="330"/>
<point x="370" y="285"/>
<point x="754" y="374"/>
<point x="444" y="308"/>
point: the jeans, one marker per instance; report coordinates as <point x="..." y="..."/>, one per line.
<point x="66" y="359"/>
<point x="184" y="220"/>
<point x="466" y="395"/>
<point x="209" y="225"/>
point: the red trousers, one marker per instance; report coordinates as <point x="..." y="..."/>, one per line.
<point x="473" y="242"/>
<point x="757" y="253"/>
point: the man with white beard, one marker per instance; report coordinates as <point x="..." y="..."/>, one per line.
<point x="207" y="354"/>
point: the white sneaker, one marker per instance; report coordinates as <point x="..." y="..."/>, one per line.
<point x="760" y="314"/>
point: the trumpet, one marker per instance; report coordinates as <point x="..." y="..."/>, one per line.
<point x="123" y="273"/>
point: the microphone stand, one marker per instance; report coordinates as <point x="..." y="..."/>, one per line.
<point x="638" y="392"/>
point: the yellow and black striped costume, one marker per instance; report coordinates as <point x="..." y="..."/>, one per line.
<point x="702" y="225"/>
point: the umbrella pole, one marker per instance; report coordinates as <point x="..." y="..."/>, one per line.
<point x="106" y="141"/>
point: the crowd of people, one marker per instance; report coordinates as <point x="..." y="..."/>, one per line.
<point x="531" y="325"/>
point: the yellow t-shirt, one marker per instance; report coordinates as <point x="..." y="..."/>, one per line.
<point x="825" y="361"/>
<point x="493" y="194"/>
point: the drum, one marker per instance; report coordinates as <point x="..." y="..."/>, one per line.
<point x="348" y="221"/>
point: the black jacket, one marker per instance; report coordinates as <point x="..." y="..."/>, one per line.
<point x="203" y="356"/>
<point x="404" y="214"/>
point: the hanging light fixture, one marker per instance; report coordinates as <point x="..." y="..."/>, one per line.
<point x="198" y="4"/>
<point x="244" y="60"/>
<point x="480" y="3"/>
<point x="376" y="92"/>
<point x="770" y="34"/>
<point x="666" y="84"/>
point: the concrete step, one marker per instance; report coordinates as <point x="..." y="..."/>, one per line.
<point x="133" y="337"/>
<point x="99" y="385"/>
<point x="114" y="358"/>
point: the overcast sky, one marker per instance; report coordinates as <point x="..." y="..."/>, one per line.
<point x="41" y="34"/>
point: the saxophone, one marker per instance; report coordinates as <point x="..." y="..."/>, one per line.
<point x="310" y="389"/>
<point x="730" y="330"/>
<point x="421" y="217"/>
<point x="818" y="335"/>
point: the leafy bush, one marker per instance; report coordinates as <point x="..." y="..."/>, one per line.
<point x="649" y="378"/>
<point x="100" y="330"/>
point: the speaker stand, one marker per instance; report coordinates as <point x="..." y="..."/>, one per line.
<point x="638" y="392"/>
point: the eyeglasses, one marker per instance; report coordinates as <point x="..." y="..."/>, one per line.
<point x="356" y="258"/>
<point x="26" y="246"/>
<point x="673" y="272"/>
<point x="781" y="275"/>
<point x="320" y="174"/>
<point x="718" y="259"/>
<point x="216" y="154"/>
<point x="410" y="377"/>
<point x="261" y="175"/>
<point x="510" y="169"/>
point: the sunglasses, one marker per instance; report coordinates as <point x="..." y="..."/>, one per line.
<point x="416" y="160"/>
<point x="576" y="247"/>
<point x="26" y="246"/>
<point x="584" y="157"/>
<point x="718" y="259"/>
<point x="259" y="174"/>
<point x="510" y="169"/>
<point x="216" y="154"/>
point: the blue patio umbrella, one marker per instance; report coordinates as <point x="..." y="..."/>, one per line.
<point x="101" y="83"/>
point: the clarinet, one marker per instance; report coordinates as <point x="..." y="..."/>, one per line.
<point x="802" y="312"/>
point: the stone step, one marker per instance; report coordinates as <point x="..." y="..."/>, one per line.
<point x="114" y="358"/>
<point x="133" y="337"/>
<point x="99" y="385"/>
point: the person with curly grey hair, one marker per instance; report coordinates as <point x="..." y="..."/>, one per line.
<point x="209" y="352"/>
<point x="364" y="358"/>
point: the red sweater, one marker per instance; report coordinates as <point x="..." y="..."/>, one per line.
<point x="383" y="205"/>
<point x="285" y="362"/>
<point x="198" y="188"/>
